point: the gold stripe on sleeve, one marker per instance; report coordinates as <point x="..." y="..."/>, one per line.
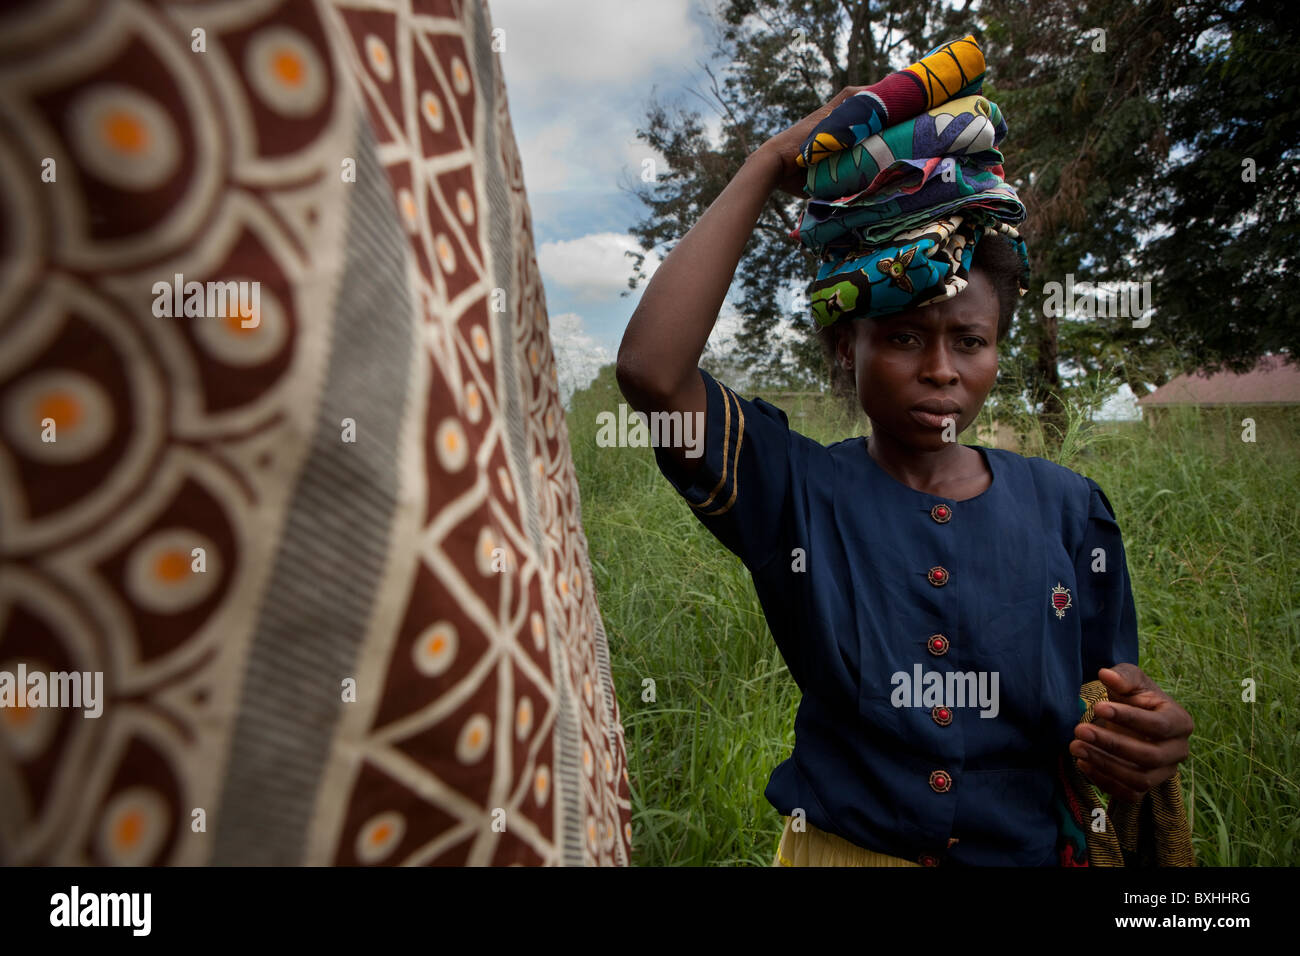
<point x="735" y="460"/>
<point x="726" y="437"/>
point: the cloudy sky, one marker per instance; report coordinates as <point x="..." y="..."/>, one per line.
<point x="580" y="75"/>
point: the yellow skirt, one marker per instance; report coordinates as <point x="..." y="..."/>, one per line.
<point x="815" y="847"/>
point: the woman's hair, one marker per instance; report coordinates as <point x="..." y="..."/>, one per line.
<point x="995" y="256"/>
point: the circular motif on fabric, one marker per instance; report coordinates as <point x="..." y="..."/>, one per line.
<point x="435" y="649"/>
<point x="446" y="253"/>
<point x="69" y="408"/>
<point x="134" y="826"/>
<point x="452" y="445"/>
<point x="431" y="110"/>
<point x="161" y="574"/>
<point x="523" y="717"/>
<point x="285" y="71"/>
<point x="26" y="730"/>
<point x="228" y="340"/>
<point x="410" y="214"/>
<point x="459" y="76"/>
<point x="479" y="340"/>
<point x="588" y="762"/>
<point x="475" y="737"/>
<point x="124" y="137"/>
<point x="503" y="560"/>
<point x="379" y="58"/>
<point x="541" y="785"/>
<point x="464" y="206"/>
<point x="473" y="404"/>
<point x="539" y="630"/>
<point x="379" y="836"/>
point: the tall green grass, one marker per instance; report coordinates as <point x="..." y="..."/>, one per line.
<point x="1210" y="528"/>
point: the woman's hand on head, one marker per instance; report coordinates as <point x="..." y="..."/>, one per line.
<point x="785" y="146"/>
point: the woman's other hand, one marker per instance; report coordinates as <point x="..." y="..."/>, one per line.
<point x="1138" y="736"/>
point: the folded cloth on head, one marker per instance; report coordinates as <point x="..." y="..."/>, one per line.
<point x="969" y="127"/>
<point x="915" y="268"/>
<point x="946" y="72"/>
<point x="911" y="174"/>
<point x="895" y="217"/>
<point x="868" y="219"/>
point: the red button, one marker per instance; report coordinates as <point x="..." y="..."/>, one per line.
<point x="941" y="513"/>
<point x="938" y="576"/>
<point x="942" y="716"/>
<point x="940" y="782"/>
<point x="925" y="859"/>
<point x="937" y="645"/>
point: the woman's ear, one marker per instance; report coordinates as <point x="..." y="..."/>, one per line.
<point x="844" y="348"/>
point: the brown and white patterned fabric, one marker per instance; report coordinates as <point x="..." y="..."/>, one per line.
<point x="376" y="468"/>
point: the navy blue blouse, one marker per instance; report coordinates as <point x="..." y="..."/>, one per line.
<point x="939" y="644"/>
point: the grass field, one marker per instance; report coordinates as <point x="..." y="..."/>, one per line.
<point x="1210" y="525"/>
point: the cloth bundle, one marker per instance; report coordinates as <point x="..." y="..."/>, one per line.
<point x="904" y="178"/>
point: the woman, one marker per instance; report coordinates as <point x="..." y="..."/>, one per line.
<point x="939" y="605"/>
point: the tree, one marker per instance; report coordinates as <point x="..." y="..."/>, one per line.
<point x="1130" y="127"/>
<point x="784" y="63"/>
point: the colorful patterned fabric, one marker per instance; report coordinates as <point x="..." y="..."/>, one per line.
<point x="896" y="218"/>
<point x="970" y="126"/>
<point x="915" y="268"/>
<point x="946" y="72"/>
<point x="1152" y="832"/>
<point x="327" y="555"/>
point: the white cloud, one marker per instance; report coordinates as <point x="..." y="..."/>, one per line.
<point x="579" y="75"/>
<point x="578" y="357"/>
<point x="591" y="268"/>
<point x="548" y="158"/>
<point x="550" y="42"/>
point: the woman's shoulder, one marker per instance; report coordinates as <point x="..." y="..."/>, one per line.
<point x="1064" y="487"/>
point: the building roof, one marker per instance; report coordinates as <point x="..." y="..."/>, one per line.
<point x="1271" y="382"/>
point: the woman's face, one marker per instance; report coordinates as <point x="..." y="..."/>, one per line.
<point x="946" y="351"/>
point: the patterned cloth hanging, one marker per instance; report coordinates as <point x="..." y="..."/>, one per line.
<point x="327" y="555"/>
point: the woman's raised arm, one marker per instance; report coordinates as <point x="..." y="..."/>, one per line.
<point x="665" y="337"/>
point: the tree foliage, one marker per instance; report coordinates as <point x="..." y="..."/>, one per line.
<point x="1127" y="149"/>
